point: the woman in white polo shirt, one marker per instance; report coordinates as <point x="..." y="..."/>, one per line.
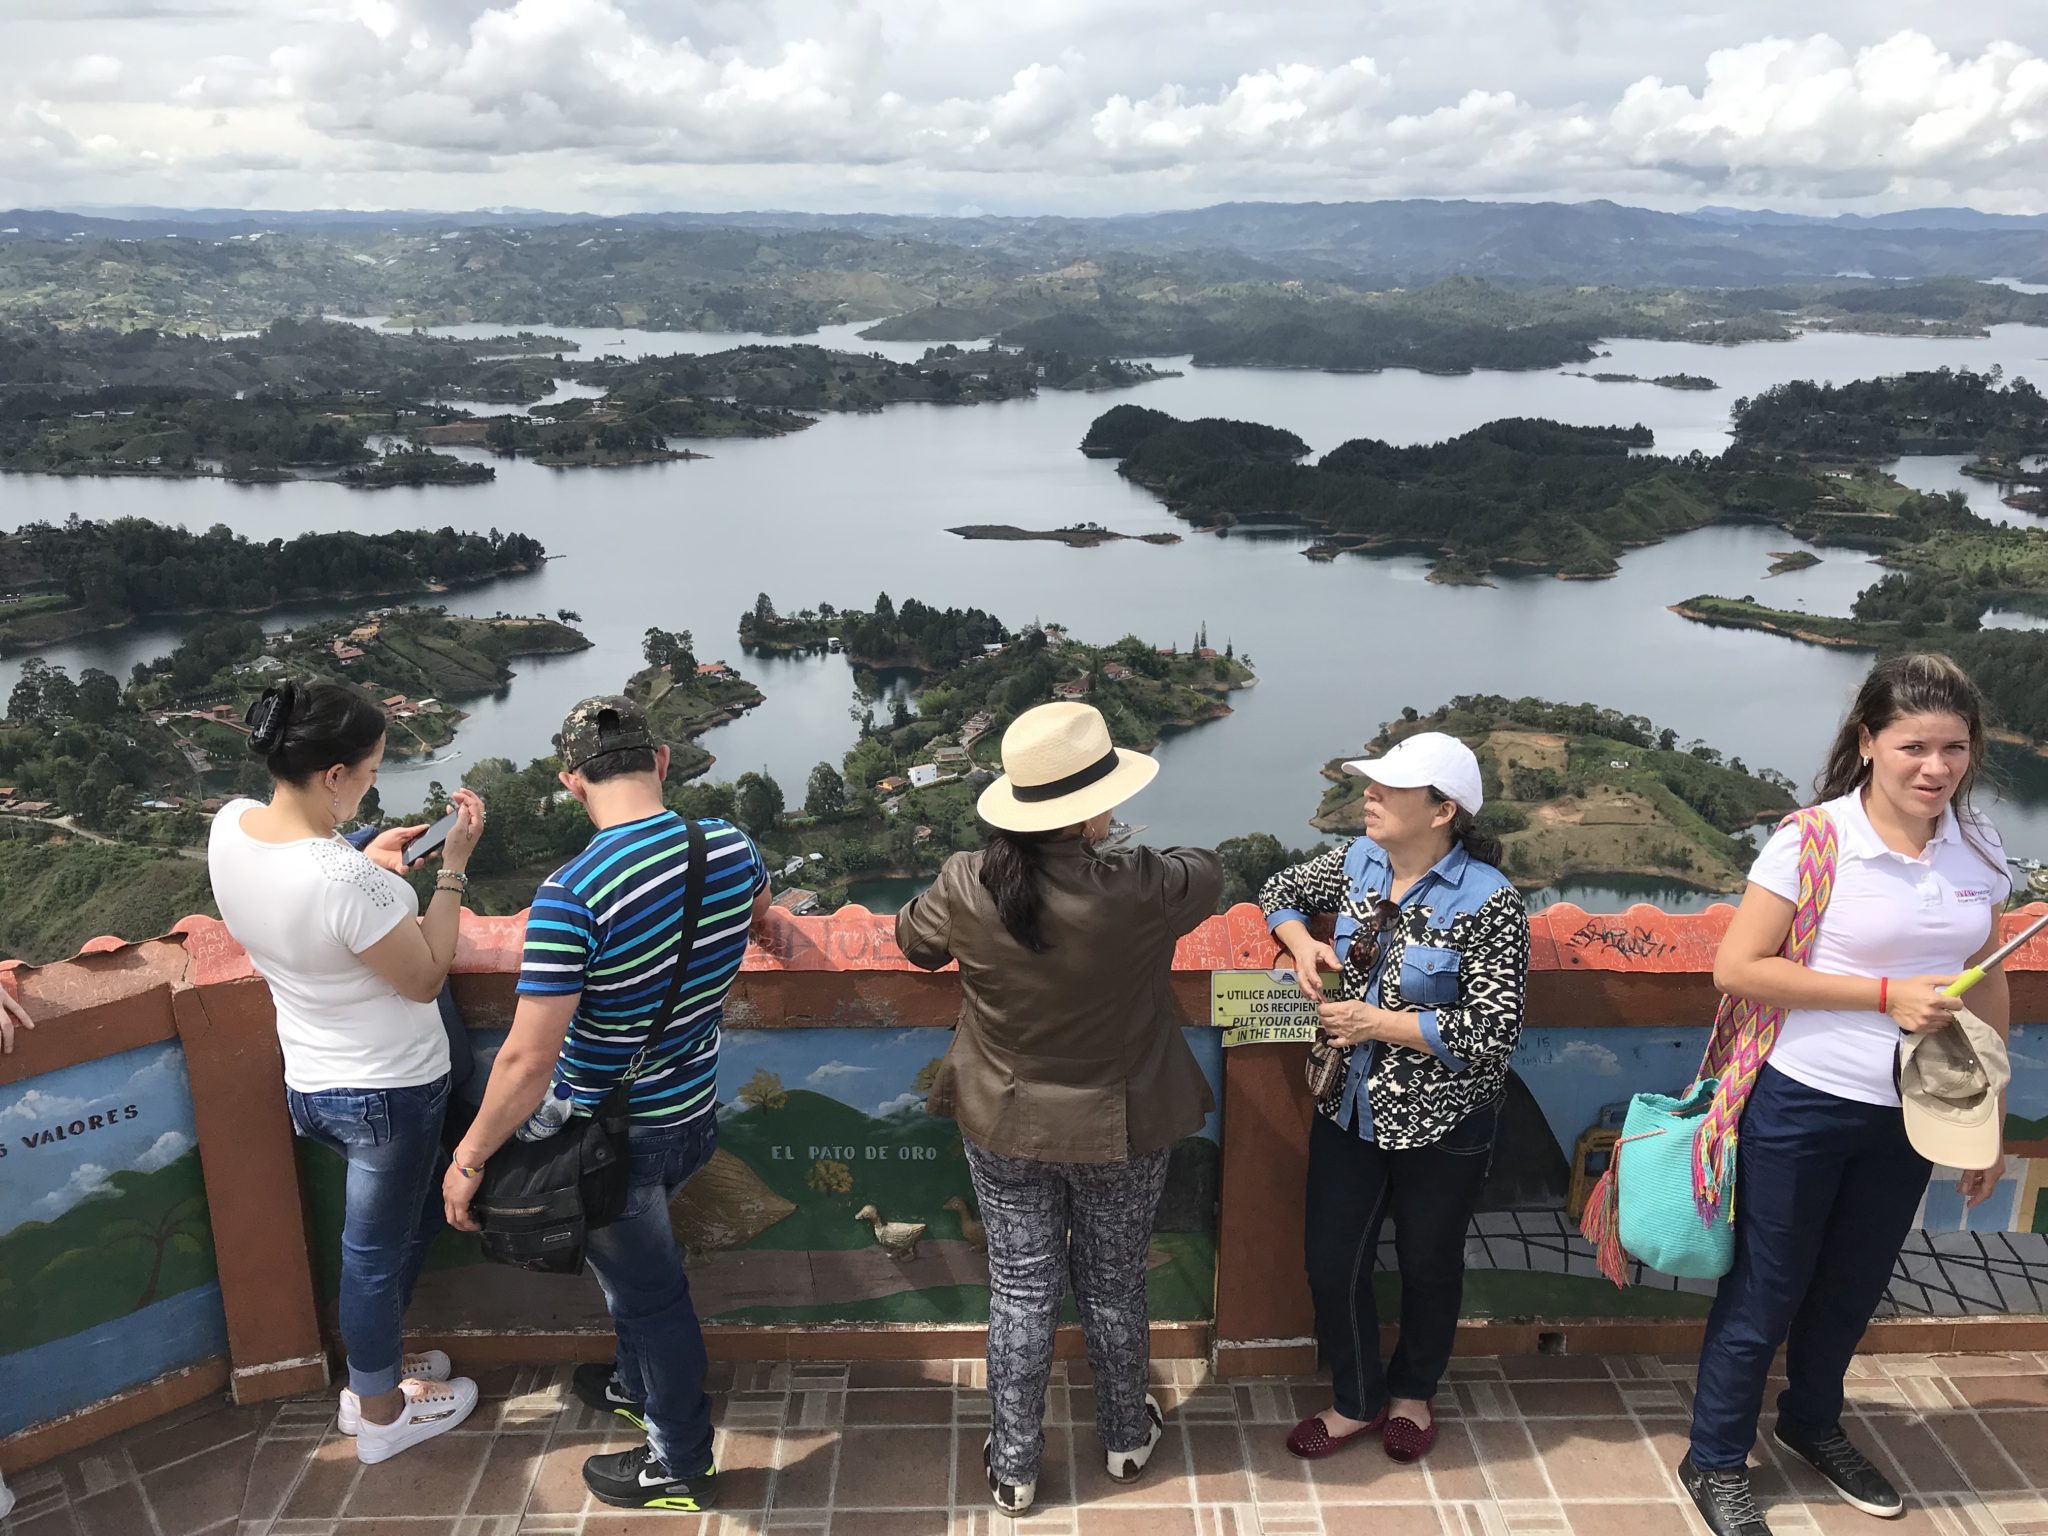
<point x="1827" y="1183"/>
<point x="354" y="968"/>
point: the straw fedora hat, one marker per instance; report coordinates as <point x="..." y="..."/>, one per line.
<point x="1059" y="768"/>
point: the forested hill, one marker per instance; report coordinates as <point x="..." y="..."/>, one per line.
<point x="66" y="578"/>
<point x="1519" y="493"/>
<point x="1943" y="411"/>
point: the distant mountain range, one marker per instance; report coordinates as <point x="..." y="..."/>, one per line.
<point x="1388" y="243"/>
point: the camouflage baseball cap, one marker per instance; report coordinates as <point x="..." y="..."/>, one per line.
<point x="608" y="723"/>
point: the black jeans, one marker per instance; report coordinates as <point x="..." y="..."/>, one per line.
<point x="1826" y="1190"/>
<point x="1354" y="1185"/>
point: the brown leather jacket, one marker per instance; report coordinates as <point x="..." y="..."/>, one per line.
<point x="1074" y="1055"/>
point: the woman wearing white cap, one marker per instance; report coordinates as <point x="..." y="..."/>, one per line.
<point x="1067" y="1072"/>
<point x="1828" y="1173"/>
<point x="1432" y="952"/>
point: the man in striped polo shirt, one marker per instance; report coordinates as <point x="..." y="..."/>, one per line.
<point x="602" y="943"/>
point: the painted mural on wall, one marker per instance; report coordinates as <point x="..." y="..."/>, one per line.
<point x="833" y="1197"/>
<point x="107" y="1273"/>
<point x="1527" y="1259"/>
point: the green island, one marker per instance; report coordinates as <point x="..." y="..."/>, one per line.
<point x="802" y="377"/>
<point x="415" y="466"/>
<point x="685" y="697"/>
<point x="60" y="581"/>
<point x="1692" y="381"/>
<point x="1530" y="496"/>
<point x="1574" y="790"/>
<point x="1074" y="535"/>
<point x="1784" y="561"/>
<point x="1943" y="410"/>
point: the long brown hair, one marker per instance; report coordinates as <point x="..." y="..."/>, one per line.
<point x="1916" y="683"/>
<point x="1009" y="873"/>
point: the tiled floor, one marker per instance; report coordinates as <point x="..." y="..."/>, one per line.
<point x="1555" y="1446"/>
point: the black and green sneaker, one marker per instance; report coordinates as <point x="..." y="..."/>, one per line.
<point x="636" y="1479"/>
<point x="598" y="1386"/>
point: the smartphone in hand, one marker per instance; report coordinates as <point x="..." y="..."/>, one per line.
<point x="429" y="842"/>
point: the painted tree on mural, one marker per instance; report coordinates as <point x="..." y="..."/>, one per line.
<point x="764" y="1091"/>
<point x="829" y="1177"/>
<point x="181" y="1229"/>
<point x="927" y="1075"/>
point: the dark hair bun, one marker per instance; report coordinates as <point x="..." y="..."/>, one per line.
<point x="269" y="716"/>
<point x="300" y="729"/>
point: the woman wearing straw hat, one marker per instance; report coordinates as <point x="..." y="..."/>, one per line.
<point x="1067" y="1072"/>
<point x="1432" y="947"/>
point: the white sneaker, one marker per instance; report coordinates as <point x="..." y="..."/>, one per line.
<point x="6" y="1499"/>
<point x="433" y="1365"/>
<point x="1011" y="1498"/>
<point x="431" y="1408"/>
<point x="1127" y="1466"/>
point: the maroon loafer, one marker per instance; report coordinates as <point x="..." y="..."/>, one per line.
<point x="1311" y="1439"/>
<point x="1407" y="1440"/>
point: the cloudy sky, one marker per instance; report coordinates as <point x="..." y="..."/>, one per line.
<point x="954" y="106"/>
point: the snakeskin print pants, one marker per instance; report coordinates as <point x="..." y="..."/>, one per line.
<point x="1048" y="1224"/>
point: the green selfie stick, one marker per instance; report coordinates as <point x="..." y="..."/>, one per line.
<point x="1975" y="973"/>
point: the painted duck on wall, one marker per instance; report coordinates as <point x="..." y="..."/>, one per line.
<point x="970" y="1224"/>
<point x="898" y="1239"/>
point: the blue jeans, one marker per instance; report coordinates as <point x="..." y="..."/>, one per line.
<point x="1826" y="1189"/>
<point x="391" y="1140"/>
<point x="661" y="1348"/>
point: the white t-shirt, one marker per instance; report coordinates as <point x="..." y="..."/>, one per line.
<point x="1890" y="915"/>
<point x="305" y="911"/>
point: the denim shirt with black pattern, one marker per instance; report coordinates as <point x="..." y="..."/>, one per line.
<point x="1457" y="954"/>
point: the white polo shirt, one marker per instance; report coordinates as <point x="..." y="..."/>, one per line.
<point x="1890" y="915"/>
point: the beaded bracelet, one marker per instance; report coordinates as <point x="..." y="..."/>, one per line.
<point x="460" y="885"/>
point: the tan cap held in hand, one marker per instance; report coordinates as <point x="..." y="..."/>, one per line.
<point x="1950" y="1084"/>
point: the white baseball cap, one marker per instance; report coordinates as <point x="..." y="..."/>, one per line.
<point x="1427" y="760"/>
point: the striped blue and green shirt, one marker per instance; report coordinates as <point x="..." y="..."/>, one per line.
<point x="608" y="924"/>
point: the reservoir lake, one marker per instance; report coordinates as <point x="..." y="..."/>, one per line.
<point x="860" y="504"/>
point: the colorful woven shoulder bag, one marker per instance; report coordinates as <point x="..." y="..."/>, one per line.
<point x="1675" y="1211"/>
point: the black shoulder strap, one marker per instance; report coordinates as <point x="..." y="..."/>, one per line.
<point x="686" y="948"/>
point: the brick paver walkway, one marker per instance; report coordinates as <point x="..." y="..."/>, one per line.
<point x="1530" y="1447"/>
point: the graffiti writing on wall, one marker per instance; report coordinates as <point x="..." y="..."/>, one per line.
<point x="1620" y="940"/>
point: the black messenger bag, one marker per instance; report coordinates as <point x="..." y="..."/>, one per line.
<point x="540" y="1200"/>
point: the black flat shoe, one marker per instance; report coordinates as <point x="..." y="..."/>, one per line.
<point x="1848" y="1470"/>
<point x="1724" y="1499"/>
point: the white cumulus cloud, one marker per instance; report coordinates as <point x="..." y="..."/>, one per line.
<point x="833" y="1070"/>
<point x="1065" y="106"/>
<point x="164" y="1151"/>
<point x="86" y="1181"/>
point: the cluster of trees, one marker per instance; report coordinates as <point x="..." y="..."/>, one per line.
<point x="129" y="567"/>
<point x="915" y="636"/>
<point x="1946" y="410"/>
<point x="1531" y="493"/>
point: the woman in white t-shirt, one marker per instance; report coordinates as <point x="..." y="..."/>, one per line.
<point x="354" y="970"/>
<point x="1827" y="1184"/>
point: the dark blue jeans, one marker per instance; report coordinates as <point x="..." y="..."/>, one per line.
<point x="661" y="1347"/>
<point x="391" y="1140"/>
<point x="1354" y="1185"/>
<point x="1825" y="1193"/>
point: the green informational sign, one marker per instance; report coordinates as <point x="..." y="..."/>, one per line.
<point x="1262" y="1007"/>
